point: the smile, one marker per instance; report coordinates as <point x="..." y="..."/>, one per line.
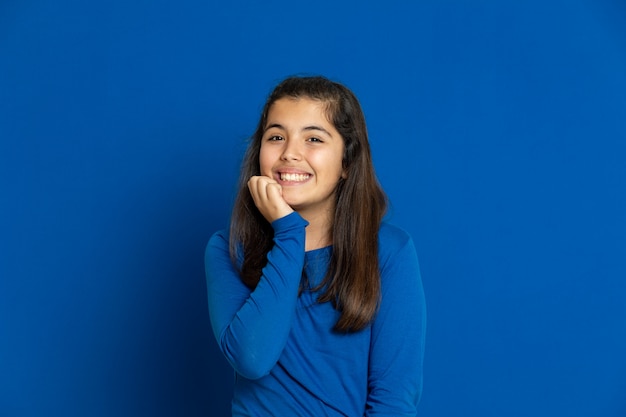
<point x="294" y="177"/>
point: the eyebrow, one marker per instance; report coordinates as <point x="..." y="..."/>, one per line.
<point x="306" y="128"/>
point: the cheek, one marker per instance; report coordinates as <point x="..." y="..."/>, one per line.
<point x="330" y="166"/>
<point x="265" y="161"/>
<point x="337" y="165"/>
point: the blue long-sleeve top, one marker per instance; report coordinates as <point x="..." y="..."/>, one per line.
<point x="288" y="359"/>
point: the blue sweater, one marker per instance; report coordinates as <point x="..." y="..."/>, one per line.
<point x="287" y="358"/>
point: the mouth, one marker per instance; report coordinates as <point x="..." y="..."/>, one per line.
<point x="292" y="177"/>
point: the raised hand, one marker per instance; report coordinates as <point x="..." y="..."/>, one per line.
<point x="268" y="197"/>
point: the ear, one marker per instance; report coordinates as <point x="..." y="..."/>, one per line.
<point x="344" y="167"/>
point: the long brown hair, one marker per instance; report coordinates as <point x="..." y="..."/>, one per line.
<point x="353" y="279"/>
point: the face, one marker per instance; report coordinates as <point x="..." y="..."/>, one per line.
<point x="303" y="152"/>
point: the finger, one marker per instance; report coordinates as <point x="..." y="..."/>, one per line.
<point x="258" y="188"/>
<point x="267" y="196"/>
<point x="277" y="205"/>
<point x="253" y="187"/>
<point x="274" y="192"/>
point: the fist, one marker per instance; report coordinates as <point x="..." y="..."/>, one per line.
<point x="268" y="198"/>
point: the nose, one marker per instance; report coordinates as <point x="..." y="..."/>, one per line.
<point x="291" y="151"/>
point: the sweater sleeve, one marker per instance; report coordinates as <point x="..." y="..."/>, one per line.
<point x="397" y="340"/>
<point x="251" y="327"/>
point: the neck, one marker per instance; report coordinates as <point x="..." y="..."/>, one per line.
<point x="319" y="230"/>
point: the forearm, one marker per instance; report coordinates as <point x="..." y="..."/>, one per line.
<point x="252" y="326"/>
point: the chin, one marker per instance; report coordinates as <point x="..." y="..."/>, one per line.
<point x="293" y="204"/>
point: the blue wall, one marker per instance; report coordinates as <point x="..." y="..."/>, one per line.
<point x="498" y="130"/>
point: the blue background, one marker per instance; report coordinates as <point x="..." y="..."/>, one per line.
<point x="498" y="130"/>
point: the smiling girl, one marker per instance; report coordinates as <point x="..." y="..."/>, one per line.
<point x="315" y="301"/>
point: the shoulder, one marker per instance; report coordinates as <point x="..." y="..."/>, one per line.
<point x="218" y="242"/>
<point x="391" y="237"/>
<point x="400" y="275"/>
<point x="217" y="255"/>
<point x="219" y="237"/>
<point x="393" y="243"/>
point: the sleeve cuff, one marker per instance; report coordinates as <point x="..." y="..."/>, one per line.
<point x="290" y="221"/>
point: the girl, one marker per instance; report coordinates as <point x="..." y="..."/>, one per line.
<point x="314" y="300"/>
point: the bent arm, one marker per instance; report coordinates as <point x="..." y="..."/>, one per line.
<point x="252" y="327"/>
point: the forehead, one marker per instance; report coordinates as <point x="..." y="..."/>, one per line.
<point x="298" y="109"/>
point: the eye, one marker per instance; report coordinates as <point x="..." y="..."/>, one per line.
<point x="314" y="139"/>
<point x="274" y="138"/>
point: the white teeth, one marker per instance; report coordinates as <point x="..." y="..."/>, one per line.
<point x="294" y="177"/>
